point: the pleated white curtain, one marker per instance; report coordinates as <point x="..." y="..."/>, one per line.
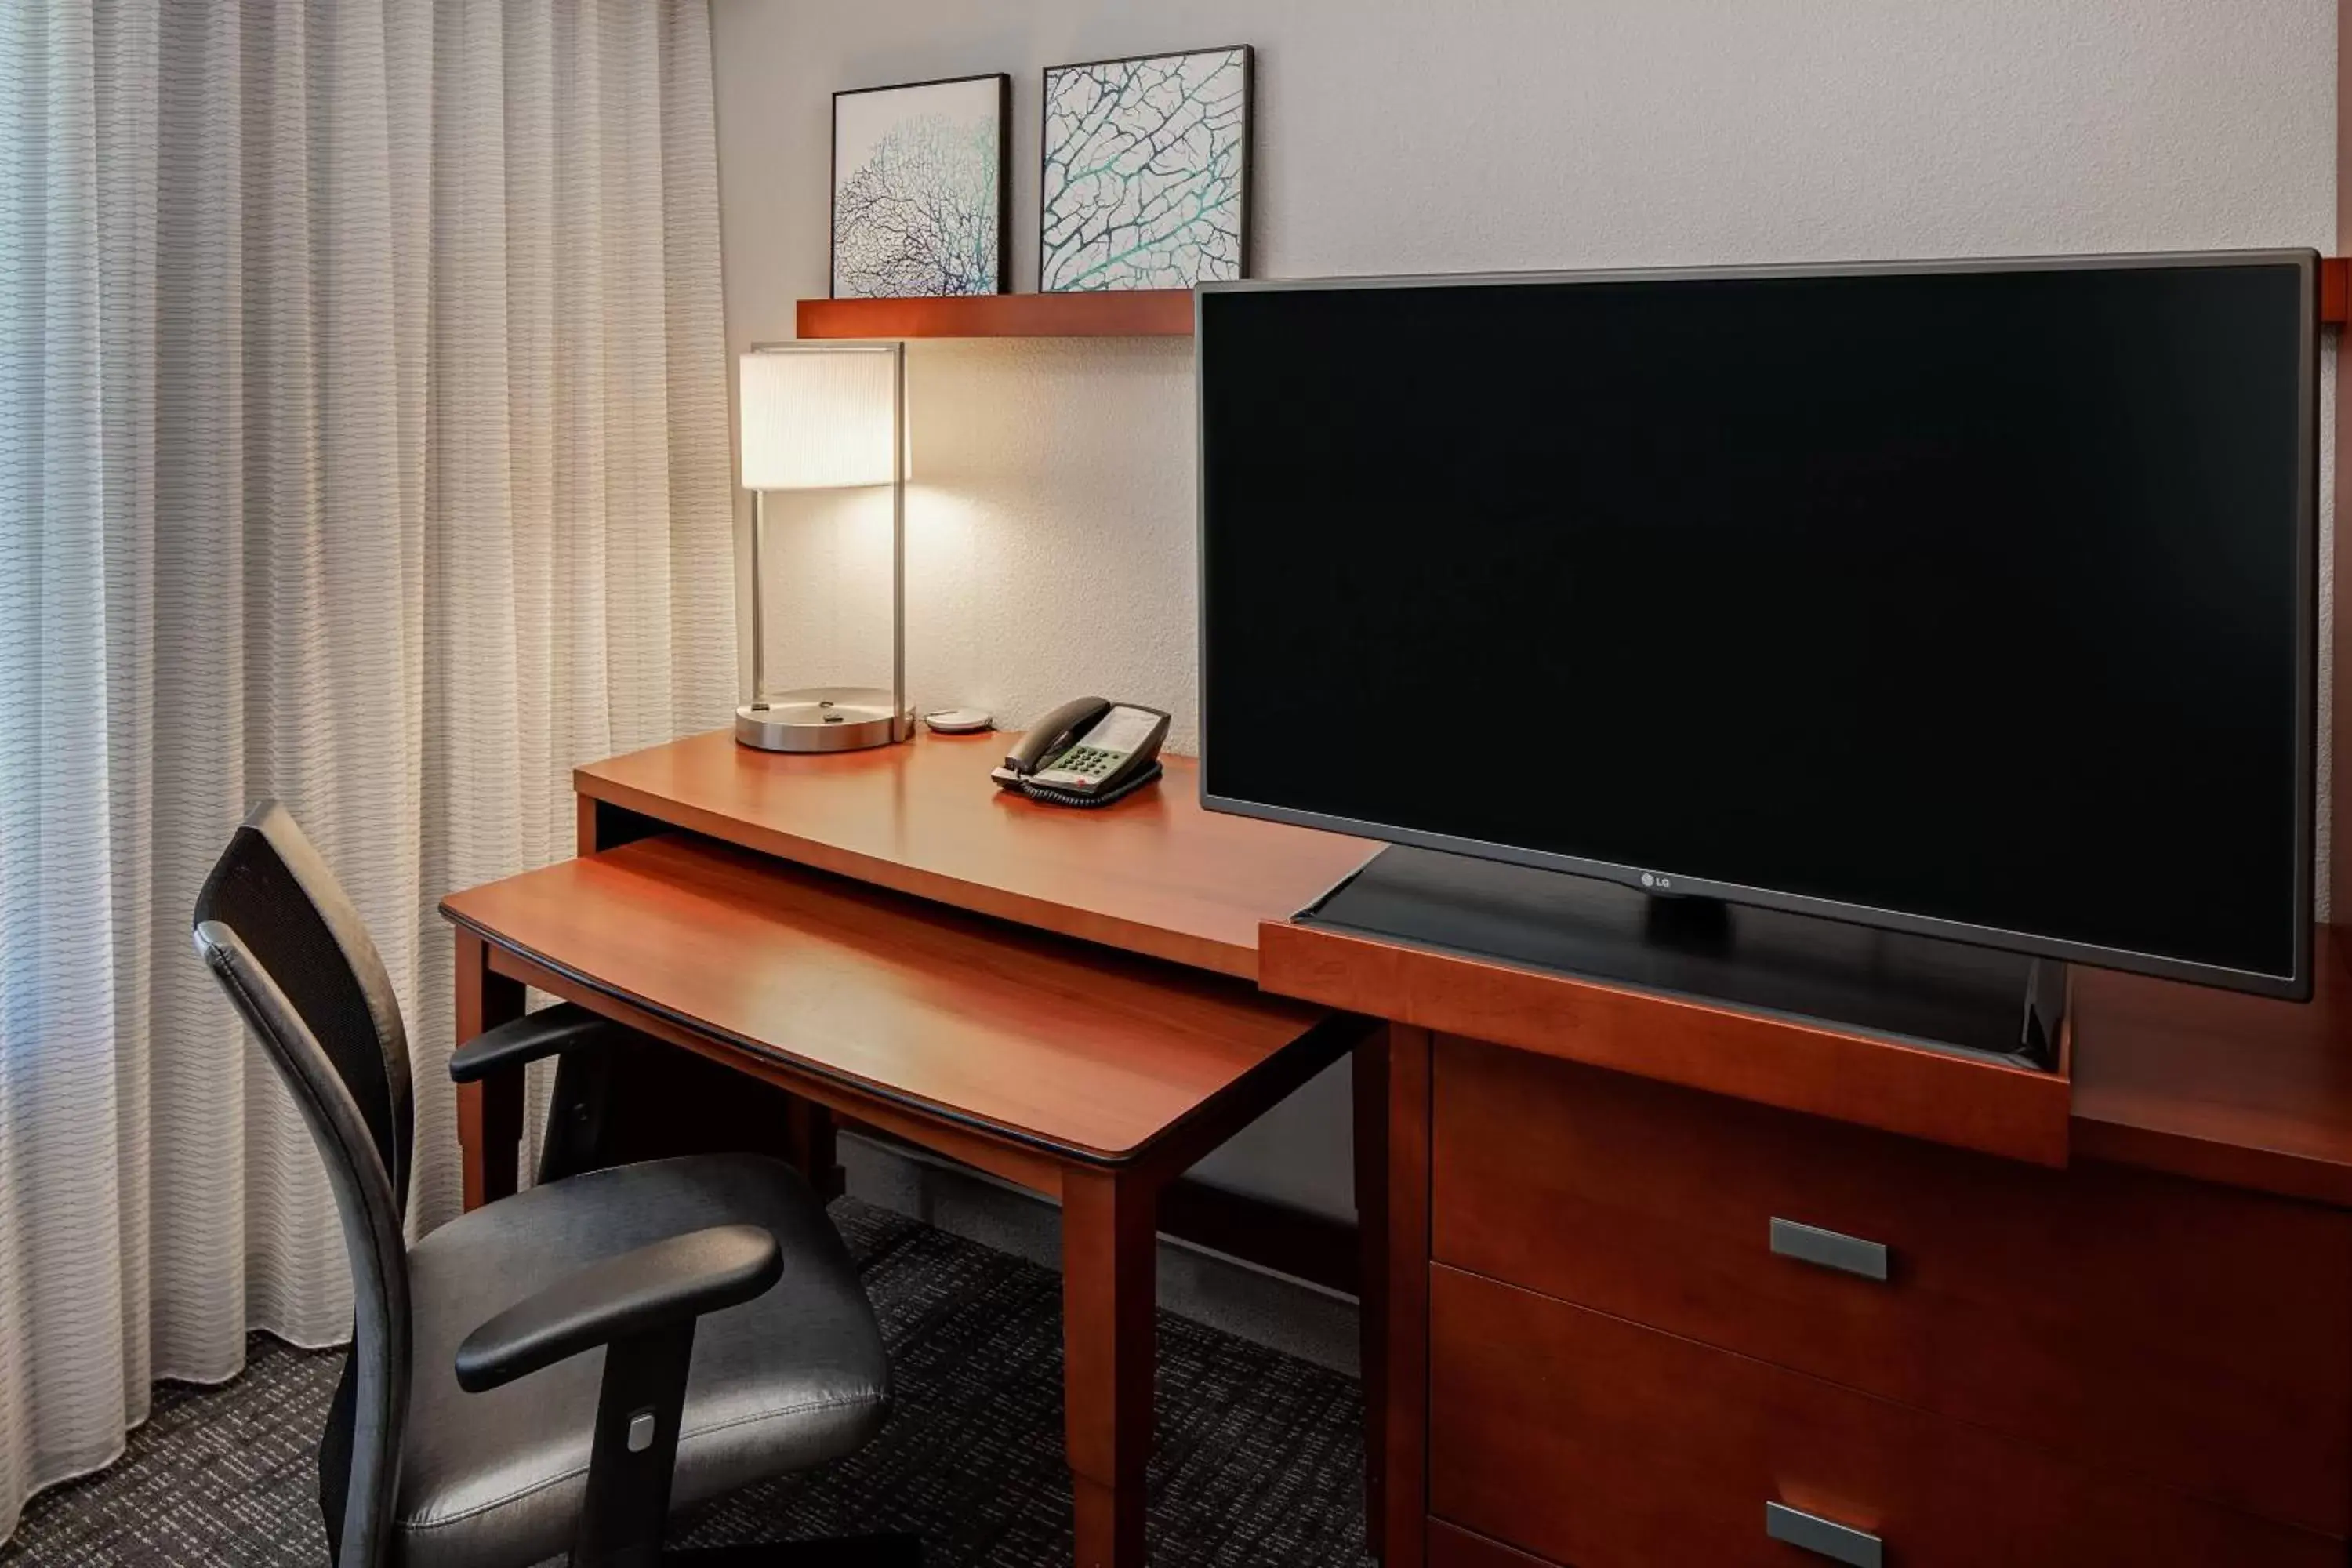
<point x="362" y="443"/>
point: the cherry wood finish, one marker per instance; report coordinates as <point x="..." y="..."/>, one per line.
<point x="1109" y="1255"/>
<point x="1596" y="1442"/>
<point x="1088" y="1056"/>
<point x="2231" y="1089"/>
<point x="1368" y="1077"/>
<point x="815" y="1150"/>
<point x="1011" y="1156"/>
<point x="489" y="1110"/>
<point x="2242" y="1090"/>
<point x="2336" y="282"/>
<point x="1453" y="1548"/>
<point x="1796" y="1064"/>
<point x="1007" y="1158"/>
<point x="1128" y="313"/>
<point x="1404" y="1433"/>
<point x="1153" y="874"/>
<point x="1094" y="1077"/>
<point x="2195" y="1335"/>
<point x="2201" y="1085"/>
<point x="1108" y="1428"/>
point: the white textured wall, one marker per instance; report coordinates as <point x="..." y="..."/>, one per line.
<point x="1052" y="525"/>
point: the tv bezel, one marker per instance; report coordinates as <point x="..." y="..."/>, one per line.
<point x="2294" y="987"/>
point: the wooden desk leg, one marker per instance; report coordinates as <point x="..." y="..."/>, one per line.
<point x="1371" y="1070"/>
<point x="815" y="1153"/>
<point x="1109" y="1263"/>
<point x="1405" y="1314"/>
<point x="490" y="1114"/>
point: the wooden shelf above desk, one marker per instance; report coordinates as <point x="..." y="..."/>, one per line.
<point x="1133" y="313"/>
<point x="1162" y="313"/>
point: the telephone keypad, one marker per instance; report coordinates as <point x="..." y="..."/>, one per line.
<point x="1090" y="761"/>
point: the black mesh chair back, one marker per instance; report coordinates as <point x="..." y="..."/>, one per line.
<point x="285" y="943"/>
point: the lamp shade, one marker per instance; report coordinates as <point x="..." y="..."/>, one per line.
<point x="818" y="419"/>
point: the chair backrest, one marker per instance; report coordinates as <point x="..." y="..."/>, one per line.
<point x="289" y="947"/>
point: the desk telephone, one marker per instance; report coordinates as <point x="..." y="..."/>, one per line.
<point x="1087" y="752"/>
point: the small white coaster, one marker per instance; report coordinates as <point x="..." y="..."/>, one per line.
<point x="958" y="721"/>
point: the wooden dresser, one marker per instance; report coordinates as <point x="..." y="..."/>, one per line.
<point x="1659" y="1293"/>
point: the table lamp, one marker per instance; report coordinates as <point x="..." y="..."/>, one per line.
<point x="824" y="417"/>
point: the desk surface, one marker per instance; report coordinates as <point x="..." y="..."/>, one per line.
<point x="1082" y="1052"/>
<point x="2212" y="1084"/>
<point x="1153" y="873"/>
<point x="2206" y="1083"/>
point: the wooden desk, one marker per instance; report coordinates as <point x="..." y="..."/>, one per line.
<point x="2132" y="1346"/>
<point x="1153" y="874"/>
<point x="1088" y="1074"/>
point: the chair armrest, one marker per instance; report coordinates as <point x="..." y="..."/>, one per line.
<point x="552" y="1031"/>
<point x="657" y="1287"/>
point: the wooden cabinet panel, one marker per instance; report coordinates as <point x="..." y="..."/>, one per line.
<point x="1452" y="1548"/>
<point x="2194" y="1335"/>
<point x="1592" y="1441"/>
<point x="1809" y="1065"/>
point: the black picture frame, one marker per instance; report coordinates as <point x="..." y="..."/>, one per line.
<point x="1004" y="80"/>
<point x="1247" y="257"/>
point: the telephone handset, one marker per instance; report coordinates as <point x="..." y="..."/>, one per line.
<point x="1087" y="752"/>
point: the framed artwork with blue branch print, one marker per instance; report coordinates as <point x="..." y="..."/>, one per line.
<point x="1146" y="171"/>
<point x="921" y="188"/>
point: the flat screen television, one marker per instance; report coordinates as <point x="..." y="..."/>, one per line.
<point x="1972" y="599"/>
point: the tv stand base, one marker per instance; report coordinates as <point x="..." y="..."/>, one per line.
<point x="1910" y="990"/>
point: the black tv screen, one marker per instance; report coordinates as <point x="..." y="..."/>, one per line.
<point x="1972" y="599"/>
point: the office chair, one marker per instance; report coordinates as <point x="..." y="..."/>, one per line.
<point x="476" y="1426"/>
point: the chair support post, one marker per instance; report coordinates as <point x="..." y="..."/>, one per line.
<point x="635" y="1450"/>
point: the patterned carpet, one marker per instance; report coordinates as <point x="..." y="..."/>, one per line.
<point x="1259" y="1458"/>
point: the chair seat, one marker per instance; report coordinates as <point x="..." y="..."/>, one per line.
<point x="784" y="1382"/>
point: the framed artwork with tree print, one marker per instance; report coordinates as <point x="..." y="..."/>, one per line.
<point x="920" y="189"/>
<point x="1146" y="171"/>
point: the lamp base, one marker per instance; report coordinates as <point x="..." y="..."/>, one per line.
<point x="821" y="719"/>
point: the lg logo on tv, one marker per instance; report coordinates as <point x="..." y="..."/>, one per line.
<point x="1656" y="883"/>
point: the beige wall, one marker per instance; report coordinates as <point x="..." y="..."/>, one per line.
<point x="1051" y="521"/>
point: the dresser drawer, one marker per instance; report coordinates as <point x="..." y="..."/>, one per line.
<point x="1592" y="1441"/>
<point x="2192" y="1335"/>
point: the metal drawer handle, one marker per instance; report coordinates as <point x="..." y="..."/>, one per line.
<point x="1826" y="1537"/>
<point x="1829" y="1248"/>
